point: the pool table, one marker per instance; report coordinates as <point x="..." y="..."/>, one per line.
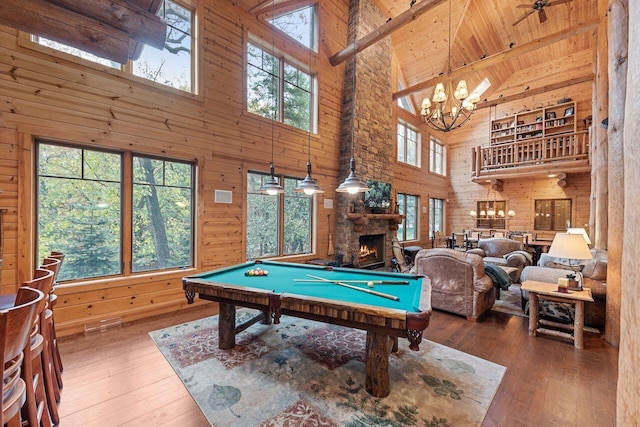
<point x="393" y="305"/>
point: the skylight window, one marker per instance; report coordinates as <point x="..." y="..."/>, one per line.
<point x="300" y="25"/>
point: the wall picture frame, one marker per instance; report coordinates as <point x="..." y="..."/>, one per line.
<point x="550" y="115"/>
<point x="568" y="111"/>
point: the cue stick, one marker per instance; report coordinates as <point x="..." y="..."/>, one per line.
<point x="369" y="291"/>
<point x="377" y="282"/>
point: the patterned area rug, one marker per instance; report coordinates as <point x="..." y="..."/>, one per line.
<point x="304" y="373"/>
<point x="510" y="302"/>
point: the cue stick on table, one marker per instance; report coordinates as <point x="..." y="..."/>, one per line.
<point x="376" y="282"/>
<point x="369" y="291"/>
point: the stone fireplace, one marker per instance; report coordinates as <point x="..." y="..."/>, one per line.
<point x="371" y="254"/>
<point x="367" y="131"/>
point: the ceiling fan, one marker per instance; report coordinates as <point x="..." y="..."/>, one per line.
<point x="538" y="6"/>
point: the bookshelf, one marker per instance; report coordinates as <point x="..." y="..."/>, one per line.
<point x="543" y="122"/>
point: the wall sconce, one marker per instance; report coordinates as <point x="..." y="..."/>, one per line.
<point x="473" y="214"/>
<point x="511" y="213"/>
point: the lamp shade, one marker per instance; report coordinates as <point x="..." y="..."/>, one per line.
<point x="580" y="231"/>
<point x="571" y="246"/>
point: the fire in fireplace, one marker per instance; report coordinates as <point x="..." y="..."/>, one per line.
<point x="371" y="254"/>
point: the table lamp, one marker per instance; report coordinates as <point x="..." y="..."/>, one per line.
<point x="570" y="246"/>
<point x="581" y="231"/>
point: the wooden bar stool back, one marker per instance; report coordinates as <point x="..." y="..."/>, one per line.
<point x="45" y="393"/>
<point x="15" y="326"/>
<point x="53" y="298"/>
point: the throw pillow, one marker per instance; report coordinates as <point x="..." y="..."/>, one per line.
<point x="551" y="264"/>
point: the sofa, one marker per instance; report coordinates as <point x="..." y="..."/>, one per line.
<point x="503" y="252"/>
<point x="458" y="282"/>
<point x="594" y="272"/>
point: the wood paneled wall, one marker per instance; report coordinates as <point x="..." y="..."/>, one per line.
<point x="54" y="96"/>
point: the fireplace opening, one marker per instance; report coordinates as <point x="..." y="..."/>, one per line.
<point x="371" y="253"/>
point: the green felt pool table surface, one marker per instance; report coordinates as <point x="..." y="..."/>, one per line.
<point x="289" y="278"/>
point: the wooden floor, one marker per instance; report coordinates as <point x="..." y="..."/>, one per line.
<point x="119" y="378"/>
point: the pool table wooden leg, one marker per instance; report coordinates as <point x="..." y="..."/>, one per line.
<point x="377" y="365"/>
<point x="226" y="326"/>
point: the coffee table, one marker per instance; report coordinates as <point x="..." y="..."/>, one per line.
<point x="549" y="291"/>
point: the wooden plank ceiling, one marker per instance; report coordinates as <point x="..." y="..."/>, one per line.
<point x="482" y="28"/>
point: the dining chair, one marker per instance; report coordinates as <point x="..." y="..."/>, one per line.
<point x="54" y="263"/>
<point x="43" y="281"/>
<point x="15" y="328"/>
<point x="459" y="241"/>
<point x="498" y="234"/>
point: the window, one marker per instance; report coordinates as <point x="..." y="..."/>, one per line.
<point x="552" y="214"/>
<point x="81" y="211"/>
<point x="437" y="156"/>
<point x="408" y="141"/>
<point x="436" y="216"/>
<point x="408" y="206"/>
<point x="277" y="225"/>
<point x="172" y="66"/>
<point x="404" y="102"/>
<point x="491" y="214"/>
<point x="300" y="25"/>
<point x="278" y="90"/>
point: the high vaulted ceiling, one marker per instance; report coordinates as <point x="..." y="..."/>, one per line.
<point x="485" y="29"/>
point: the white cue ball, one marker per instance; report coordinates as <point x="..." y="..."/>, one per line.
<point x="370" y="284"/>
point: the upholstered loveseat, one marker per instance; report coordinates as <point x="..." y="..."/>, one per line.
<point x="594" y="270"/>
<point x="504" y="252"/>
<point x="458" y="281"/>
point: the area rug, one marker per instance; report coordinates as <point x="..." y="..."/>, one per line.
<point x="304" y="373"/>
<point x="510" y="302"/>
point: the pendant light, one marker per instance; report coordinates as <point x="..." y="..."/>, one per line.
<point x="271" y="186"/>
<point x="353" y="184"/>
<point x="308" y="185"/>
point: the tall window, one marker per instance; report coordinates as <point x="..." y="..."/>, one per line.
<point x="301" y="25"/>
<point x="437" y="154"/>
<point x="408" y="206"/>
<point x="408" y="141"/>
<point x="277" y="225"/>
<point x="436" y="216"/>
<point x="278" y="90"/>
<point x="172" y="66"/>
<point x="81" y="211"/>
<point x="552" y="214"/>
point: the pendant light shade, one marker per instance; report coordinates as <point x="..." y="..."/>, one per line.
<point x="308" y="185"/>
<point x="271" y="186"/>
<point x="352" y="184"/>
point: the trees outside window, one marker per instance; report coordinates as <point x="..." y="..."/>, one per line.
<point x="172" y="66"/>
<point x="436" y="216"/>
<point x="279" y="90"/>
<point x="408" y="205"/>
<point x="301" y="25"/>
<point x="437" y="156"/>
<point x="277" y="225"/>
<point x="81" y="211"/>
<point x="408" y="142"/>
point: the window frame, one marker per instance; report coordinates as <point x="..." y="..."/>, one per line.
<point x="497" y="222"/>
<point x="281" y="212"/>
<point x="29" y="41"/>
<point x="284" y="59"/>
<point x="126" y="210"/>
<point x="406" y="129"/>
<point x="402" y="209"/>
<point x="435" y="158"/>
<point x="433" y="201"/>
<point x="552" y="215"/>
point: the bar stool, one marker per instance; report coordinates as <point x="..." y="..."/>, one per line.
<point x="15" y="327"/>
<point x="37" y="412"/>
<point x="53" y="298"/>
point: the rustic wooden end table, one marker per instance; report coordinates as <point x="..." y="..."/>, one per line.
<point x="549" y="292"/>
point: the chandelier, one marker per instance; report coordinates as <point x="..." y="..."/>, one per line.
<point x="490" y="210"/>
<point x="451" y="109"/>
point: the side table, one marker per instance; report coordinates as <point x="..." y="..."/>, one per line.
<point x="549" y="292"/>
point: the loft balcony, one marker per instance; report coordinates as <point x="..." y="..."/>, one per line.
<point x="554" y="154"/>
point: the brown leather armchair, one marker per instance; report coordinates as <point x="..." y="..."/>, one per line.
<point x="458" y="281"/>
<point x="505" y="252"/>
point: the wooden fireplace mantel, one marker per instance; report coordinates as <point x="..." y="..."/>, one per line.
<point x="360" y="220"/>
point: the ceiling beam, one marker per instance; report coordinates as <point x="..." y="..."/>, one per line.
<point x="47" y="20"/>
<point x="500" y="57"/>
<point x="384" y="30"/>
<point x="536" y="91"/>
<point x="139" y="24"/>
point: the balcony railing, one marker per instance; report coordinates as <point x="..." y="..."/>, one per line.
<point x="566" y="150"/>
